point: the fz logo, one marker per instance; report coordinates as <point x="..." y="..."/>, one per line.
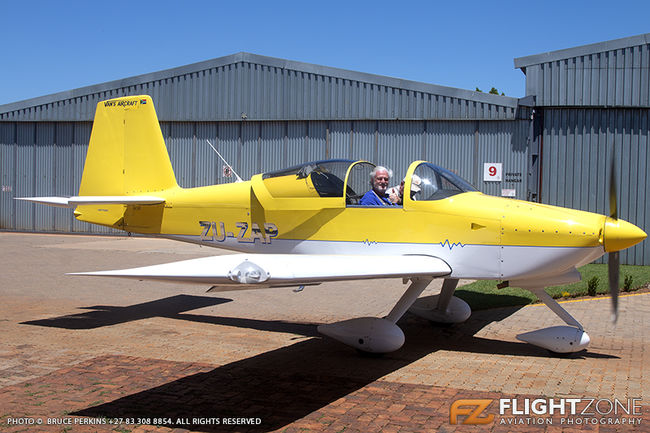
<point x="216" y="232"/>
<point x="471" y="408"/>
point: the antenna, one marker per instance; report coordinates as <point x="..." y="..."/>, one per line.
<point x="239" y="179"/>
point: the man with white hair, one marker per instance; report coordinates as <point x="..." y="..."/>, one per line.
<point x="379" y="178"/>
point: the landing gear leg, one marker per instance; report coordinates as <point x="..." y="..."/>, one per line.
<point x="558" y="339"/>
<point x="443" y="308"/>
<point x="374" y="334"/>
<point x="408" y="298"/>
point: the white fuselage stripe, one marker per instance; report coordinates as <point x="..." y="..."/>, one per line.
<point x="500" y="262"/>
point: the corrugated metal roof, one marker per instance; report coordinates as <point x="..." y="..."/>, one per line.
<point x="266" y="88"/>
<point x="608" y="74"/>
<point x="583" y="50"/>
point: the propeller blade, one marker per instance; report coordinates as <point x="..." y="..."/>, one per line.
<point x="613" y="269"/>
<point x="613" y="209"/>
<point x="613" y="262"/>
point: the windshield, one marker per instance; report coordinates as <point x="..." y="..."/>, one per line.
<point x="437" y="183"/>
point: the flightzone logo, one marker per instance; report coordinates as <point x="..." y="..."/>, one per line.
<point x="547" y="411"/>
<point x="471" y="409"/>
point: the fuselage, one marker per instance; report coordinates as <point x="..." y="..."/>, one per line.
<point x="479" y="236"/>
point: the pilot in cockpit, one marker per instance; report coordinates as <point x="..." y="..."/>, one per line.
<point x="379" y="178"/>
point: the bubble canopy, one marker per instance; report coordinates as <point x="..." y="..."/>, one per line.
<point x="351" y="179"/>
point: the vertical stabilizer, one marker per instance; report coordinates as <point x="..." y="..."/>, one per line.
<point x="127" y="153"/>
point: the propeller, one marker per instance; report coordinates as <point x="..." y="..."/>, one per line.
<point x="613" y="262"/>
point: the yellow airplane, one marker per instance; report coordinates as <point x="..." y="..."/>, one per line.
<point x="304" y="225"/>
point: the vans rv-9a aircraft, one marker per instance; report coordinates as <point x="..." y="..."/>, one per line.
<point x="303" y="225"/>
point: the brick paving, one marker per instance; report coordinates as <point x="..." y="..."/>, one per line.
<point x="91" y="350"/>
<point x="194" y="397"/>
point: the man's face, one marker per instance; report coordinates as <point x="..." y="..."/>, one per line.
<point x="380" y="183"/>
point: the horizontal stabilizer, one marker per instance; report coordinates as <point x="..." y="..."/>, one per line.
<point x="282" y="269"/>
<point x="102" y="199"/>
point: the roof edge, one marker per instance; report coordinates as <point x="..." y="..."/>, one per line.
<point x="550" y="56"/>
<point x="123" y="82"/>
<point x="506" y="101"/>
<point x="383" y="80"/>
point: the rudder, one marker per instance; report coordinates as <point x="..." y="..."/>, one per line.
<point x="127" y="153"/>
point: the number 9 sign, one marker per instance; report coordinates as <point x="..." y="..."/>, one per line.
<point x="492" y="171"/>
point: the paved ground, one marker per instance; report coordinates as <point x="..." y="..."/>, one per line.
<point x="84" y="353"/>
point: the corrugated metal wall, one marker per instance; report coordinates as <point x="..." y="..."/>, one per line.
<point x="7" y="174"/>
<point x="578" y="144"/>
<point x="40" y="159"/>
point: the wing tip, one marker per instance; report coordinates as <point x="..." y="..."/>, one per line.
<point x="49" y="201"/>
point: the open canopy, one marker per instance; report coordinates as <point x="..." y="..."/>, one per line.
<point x="341" y="182"/>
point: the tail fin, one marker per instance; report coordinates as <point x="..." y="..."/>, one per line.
<point x="127" y="153"/>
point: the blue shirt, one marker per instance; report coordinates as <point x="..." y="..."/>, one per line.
<point x="372" y="199"/>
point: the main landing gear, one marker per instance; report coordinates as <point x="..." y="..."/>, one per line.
<point x="382" y="335"/>
<point x="377" y="335"/>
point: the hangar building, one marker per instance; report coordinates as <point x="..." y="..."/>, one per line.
<point x="265" y="113"/>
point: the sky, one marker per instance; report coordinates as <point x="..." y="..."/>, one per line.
<point x="54" y="46"/>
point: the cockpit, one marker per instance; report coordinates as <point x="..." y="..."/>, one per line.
<point x="349" y="179"/>
<point x="438" y="183"/>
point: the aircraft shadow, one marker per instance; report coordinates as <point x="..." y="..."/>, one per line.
<point x="105" y="315"/>
<point x="458" y="338"/>
<point x="284" y="385"/>
<point x="278" y="387"/>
